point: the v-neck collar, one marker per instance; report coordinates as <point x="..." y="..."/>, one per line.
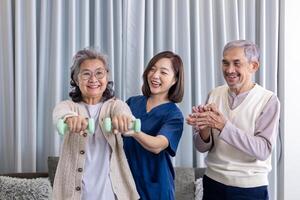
<point x="154" y="108"/>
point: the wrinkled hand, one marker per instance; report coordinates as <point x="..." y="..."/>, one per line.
<point x="76" y="124"/>
<point x="206" y="116"/>
<point x="122" y="124"/>
<point x="192" y="118"/>
<point x="212" y="118"/>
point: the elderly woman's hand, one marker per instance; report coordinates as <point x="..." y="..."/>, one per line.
<point x="121" y="123"/>
<point x="77" y="124"/>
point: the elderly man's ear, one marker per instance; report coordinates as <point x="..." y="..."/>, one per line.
<point x="254" y="66"/>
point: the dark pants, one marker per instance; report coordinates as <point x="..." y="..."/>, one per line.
<point x="213" y="190"/>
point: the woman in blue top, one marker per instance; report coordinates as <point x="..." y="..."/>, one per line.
<point x="148" y="152"/>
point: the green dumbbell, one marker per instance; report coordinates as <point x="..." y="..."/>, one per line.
<point x="62" y="127"/>
<point x="136" y="125"/>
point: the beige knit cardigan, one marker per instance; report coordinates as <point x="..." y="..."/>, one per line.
<point x="69" y="174"/>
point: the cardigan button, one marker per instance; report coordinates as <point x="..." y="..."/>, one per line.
<point x="78" y="188"/>
<point x="79" y="169"/>
<point x="82" y="152"/>
<point x="84" y="135"/>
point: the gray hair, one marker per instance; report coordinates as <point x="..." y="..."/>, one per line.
<point x="251" y="50"/>
<point x="78" y="59"/>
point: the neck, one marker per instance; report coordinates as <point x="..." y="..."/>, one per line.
<point x="242" y="89"/>
<point x="154" y="101"/>
<point x="158" y="99"/>
<point x="91" y="101"/>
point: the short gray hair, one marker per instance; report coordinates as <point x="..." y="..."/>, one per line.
<point x="80" y="57"/>
<point x="251" y="50"/>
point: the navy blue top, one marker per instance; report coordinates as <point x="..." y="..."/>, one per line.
<point x="154" y="173"/>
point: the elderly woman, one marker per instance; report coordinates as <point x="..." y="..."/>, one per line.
<point x="92" y="166"/>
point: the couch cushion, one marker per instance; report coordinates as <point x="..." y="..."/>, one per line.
<point x="199" y="173"/>
<point x="52" y="164"/>
<point x="22" y="188"/>
<point x="184" y="183"/>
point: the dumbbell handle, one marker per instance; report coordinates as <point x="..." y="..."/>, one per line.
<point x="136" y="125"/>
<point x="62" y="127"/>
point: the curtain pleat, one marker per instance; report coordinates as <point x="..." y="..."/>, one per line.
<point x="41" y="37"/>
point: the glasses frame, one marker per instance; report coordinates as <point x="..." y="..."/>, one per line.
<point x="93" y="73"/>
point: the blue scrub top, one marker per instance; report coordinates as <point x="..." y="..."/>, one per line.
<point x="154" y="173"/>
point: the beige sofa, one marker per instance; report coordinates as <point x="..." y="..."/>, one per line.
<point x="184" y="182"/>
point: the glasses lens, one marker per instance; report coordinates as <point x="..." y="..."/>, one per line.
<point x="100" y="74"/>
<point x="86" y="75"/>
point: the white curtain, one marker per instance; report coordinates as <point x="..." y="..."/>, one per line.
<point x="39" y="38"/>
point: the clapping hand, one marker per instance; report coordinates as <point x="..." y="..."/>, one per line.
<point x="206" y="116"/>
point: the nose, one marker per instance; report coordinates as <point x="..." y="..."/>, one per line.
<point x="156" y="74"/>
<point x="93" y="78"/>
<point x="230" y="68"/>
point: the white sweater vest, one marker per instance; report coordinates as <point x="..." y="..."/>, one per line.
<point x="226" y="164"/>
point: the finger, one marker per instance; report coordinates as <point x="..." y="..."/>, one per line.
<point x="190" y="121"/>
<point x="84" y="124"/>
<point x="213" y="107"/>
<point x="69" y="123"/>
<point x="115" y="131"/>
<point x="202" y="121"/>
<point x="207" y="108"/>
<point x="194" y="109"/>
<point x="73" y="124"/>
<point x="78" y="125"/>
<point x="115" y="123"/>
<point x="128" y="133"/>
<point x="201" y="108"/>
<point x="121" y="124"/>
<point x="202" y="127"/>
<point x="129" y="124"/>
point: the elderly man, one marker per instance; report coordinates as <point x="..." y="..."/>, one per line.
<point x="238" y="126"/>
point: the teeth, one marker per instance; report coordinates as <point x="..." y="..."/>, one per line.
<point x="93" y="86"/>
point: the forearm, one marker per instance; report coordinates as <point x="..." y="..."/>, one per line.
<point x="260" y="143"/>
<point x="200" y="144"/>
<point x="153" y="144"/>
<point x="62" y="111"/>
<point x="257" y="146"/>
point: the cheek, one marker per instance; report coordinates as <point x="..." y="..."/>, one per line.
<point x="81" y="86"/>
<point x="104" y="81"/>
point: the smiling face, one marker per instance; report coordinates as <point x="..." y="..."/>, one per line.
<point x="92" y="80"/>
<point x="161" y="78"/>
<point x="237" y="70"/>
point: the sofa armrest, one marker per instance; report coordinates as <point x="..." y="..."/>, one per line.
<point x="28" y="175"/>
<point x="199" y="173"/>
<point x="52" y="165"/>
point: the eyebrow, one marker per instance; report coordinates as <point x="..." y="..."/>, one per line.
<point x="226" y="61"/>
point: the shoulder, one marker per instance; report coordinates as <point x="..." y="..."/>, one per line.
<point x="113" y="101"/>
<point x="66" y="103"/>
<point x="217" y="93"/>
<point x="271" y="99"/>
<point x="174" y="111"/>
<point x="263" y="90"/>
<point x="220" y="89"/>
<point x="273" y="102"/>
<point x="138" y="98"/>
<point x="269" y="95"/>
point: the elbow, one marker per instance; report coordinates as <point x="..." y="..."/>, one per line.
<point x="264" y="156"/>
<point x="201" y="150"/>
<point x="156" y="151"/>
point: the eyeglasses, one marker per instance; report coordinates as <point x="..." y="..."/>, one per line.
<point x="87" y="74"/>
